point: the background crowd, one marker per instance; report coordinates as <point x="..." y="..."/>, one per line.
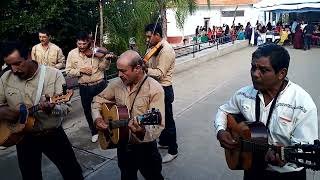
<point x="300" y="34"/>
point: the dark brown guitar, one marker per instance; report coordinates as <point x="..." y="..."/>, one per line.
<point x="12" y="133"/>
<point x="117" y="118"/>
<point x="253" y="145"/>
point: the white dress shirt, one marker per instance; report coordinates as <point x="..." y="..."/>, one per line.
<point x="293" y="120"/>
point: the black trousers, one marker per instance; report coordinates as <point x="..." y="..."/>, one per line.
<point x="144" y="157"/>
<point x="307" y="41"/>
<point x="168" y="136"/>
<point x="271" y="175"/>
<point x="56" y="146"/>
<point x="87" y="93"/>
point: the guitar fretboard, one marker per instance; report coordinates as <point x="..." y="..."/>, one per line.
<point x="249" y="146"/>
<point x="34" y="109"/>
<point x="118" y="124"/>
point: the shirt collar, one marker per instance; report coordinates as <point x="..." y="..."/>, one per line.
<point x="135" y="87"/>
<point x="36" y="73"/>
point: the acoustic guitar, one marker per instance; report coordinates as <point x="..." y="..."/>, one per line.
<point x="253" y="145"/>
<point x="11" y="133"/>
<point x="117" y="119"/>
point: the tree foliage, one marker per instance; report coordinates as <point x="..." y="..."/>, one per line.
<point x="22" y="19"/>
<point x="126" y="19"/>
<point x="123" y="19"/>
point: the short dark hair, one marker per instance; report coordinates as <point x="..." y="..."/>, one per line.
<point x="153" y="28"/>
<point x="278" y="55"/>
<point x="44" y="31"/>
<point x="82" y="36"/>
<point x="10" y="46"/>
<point x="137" y="60"/>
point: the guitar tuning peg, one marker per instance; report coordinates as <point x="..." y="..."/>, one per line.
<point x="64" y="89"/>
<point x="47" y="97"/>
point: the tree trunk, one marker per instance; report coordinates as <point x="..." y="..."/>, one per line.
<point x="101" y="23"/>
<point x="234" y="15"/>
<point x="163" y="18"/>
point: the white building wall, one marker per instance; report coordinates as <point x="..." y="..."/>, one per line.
<point x="214" y="13"/>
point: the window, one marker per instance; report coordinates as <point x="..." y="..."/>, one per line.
<point x="231" y="13"/>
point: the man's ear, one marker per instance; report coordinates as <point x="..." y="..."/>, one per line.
<point x="137" y="68"/>
<point x="283" y="73"/>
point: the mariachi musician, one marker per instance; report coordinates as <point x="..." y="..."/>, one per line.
<point x="26" y="82"/>
<point x="161" y="67"/>
<point x="139" y="93"/>
<point x="89" y="66"/>
<point x="286" y="109"/>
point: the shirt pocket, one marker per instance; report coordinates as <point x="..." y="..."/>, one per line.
<point x="282" y="126"/>
<point x="246" y="109"/>
<point x="52" y="58"/>
<point x="50" y="89"/>
<point x="13" y="96"/>
<point x="141" y="105"/>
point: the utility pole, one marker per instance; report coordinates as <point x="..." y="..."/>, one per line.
<point x="101" y="22"/>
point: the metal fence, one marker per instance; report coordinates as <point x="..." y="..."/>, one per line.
<point x="179" y="50"/>
<point x="199" y="46"/>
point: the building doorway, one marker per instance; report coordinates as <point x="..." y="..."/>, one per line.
<point x="206" y="23"/>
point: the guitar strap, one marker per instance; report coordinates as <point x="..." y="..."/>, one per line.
<point x="134" y="99"/>
<point x="40" y="84"/>
<point x="257" y="110"/>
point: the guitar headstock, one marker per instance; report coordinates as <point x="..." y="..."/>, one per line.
<point x="305" y="155"/>
<point x="62" y="98"/>
<point x="152" y="117"/>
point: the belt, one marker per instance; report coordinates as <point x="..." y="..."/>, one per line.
<point x="43" y="132"/>
<point x="92" y="83"/>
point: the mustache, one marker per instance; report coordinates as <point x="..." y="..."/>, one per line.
<point x="18" y="73"/>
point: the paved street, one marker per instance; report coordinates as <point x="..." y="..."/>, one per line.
<point x="198" y="93"/>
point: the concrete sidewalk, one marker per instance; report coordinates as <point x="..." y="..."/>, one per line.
<point x="97" y="163"/>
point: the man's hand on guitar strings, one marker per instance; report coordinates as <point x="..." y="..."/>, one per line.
<point x="100" y="124"/>
<point x="45" y="104"/>
<point x="273" y="158"/>
<point x="9" y="114"/>
<point x="226" y="140"/>
<point x="135" y="127"/>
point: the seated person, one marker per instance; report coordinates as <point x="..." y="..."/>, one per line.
<point x="284" y="34"/>
<point x="241" y="34"/>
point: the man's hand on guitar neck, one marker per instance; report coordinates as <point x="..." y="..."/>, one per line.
<point x="273" y="158"/>
<point x="226" y="140"/>
<point x="135" y="128"/>
<point x="100" y="124"/>
<point x="9" y="114"/>
<point x="45" y="104"/>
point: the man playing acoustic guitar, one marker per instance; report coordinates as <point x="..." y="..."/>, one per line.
<point x="161" y="68"/>
<point x="139" y="93"/>
<point x="286" y="109"/>
<point x="20" y="85"/>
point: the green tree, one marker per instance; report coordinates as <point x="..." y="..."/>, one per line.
<point x="22" y="19"/>
<point x="125" y="19"/>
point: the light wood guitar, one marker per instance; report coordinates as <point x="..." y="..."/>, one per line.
<point x="117" y="119"/>
<point x="253" y="145"/>
<point x="11" y="133"/>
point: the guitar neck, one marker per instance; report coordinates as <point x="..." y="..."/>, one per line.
<point x="125" y="122"/>
<point x="249" y="146"/>
<point x="119" y="123"/>
<point x="34" y="109"/>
